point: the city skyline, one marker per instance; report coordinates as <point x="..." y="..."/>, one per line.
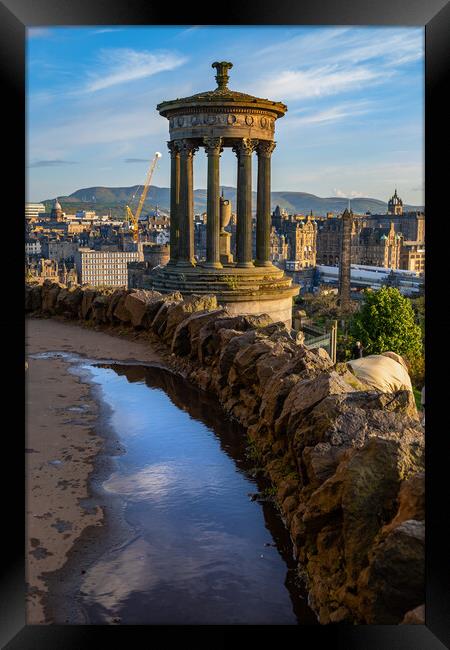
<point x="355" y="97"/>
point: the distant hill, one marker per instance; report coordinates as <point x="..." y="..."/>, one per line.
<point x="114" y="199"/>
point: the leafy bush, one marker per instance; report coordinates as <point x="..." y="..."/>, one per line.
<point x="386" y="321"/>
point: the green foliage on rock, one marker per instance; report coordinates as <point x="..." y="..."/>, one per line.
<point x="386" y="322"/>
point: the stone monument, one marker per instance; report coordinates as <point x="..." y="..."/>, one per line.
<point x="214" y="120"/>
<point x="345" y="261"/>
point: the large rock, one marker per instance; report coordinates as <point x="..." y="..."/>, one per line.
<point x="121" y="313"/>
<point x="136" y="305"/>
<point x="242" y="371"/>
<point x="177" y="312"/>
<point x="281" y="354"/>
<point x="415" y="616"/>
<point x="155" y="303"/>
<point x="100" y="308"/>
<point x="306" y="394"/>
<point x="230" y="349"/>
<point x="321" y="462"/>
<point x="185" y="338"/>
<point x="159" y="322"/>
<point x="116" y="297"/>
<point x="369" y="496"/>
<point x="394" y="581"/>
<point x="85" y="310"/>
<point x="411" y="501"/>
<point x="50" y="291"/>
<point x="69" y="301"/>
<point x="33" y="297"/>
<point x="209" y="341"/>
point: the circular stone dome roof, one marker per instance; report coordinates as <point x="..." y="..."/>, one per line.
<point x="222" y="96"/>
<point x="56" y="205"/>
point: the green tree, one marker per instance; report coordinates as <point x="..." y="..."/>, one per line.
<point x="418" y="305"/>
<point x="386" y="321"/>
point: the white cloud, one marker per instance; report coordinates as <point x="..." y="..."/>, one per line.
<point x="331" y="114"/>
<point x="96" y="128"/>
<point x="121" y="65"/>
<point x="394" y="46"/>
<point x="318" y="82"/>
<point x="106" y="30"/>
<point x="347" y="195"/>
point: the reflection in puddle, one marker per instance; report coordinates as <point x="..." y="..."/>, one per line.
<point x="201" y="551"/>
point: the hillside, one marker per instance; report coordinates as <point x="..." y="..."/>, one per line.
<point x="104" y="199"/>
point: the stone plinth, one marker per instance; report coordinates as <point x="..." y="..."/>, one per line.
<point x="226" y="256"/>
<point x="243" y="291"/>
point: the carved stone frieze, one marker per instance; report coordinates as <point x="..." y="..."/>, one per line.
<point x="237" y="118"/>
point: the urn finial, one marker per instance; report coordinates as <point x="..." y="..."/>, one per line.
<point x="222" y="76"/>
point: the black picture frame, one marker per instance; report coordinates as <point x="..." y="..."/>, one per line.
<point x="434" y="15"/>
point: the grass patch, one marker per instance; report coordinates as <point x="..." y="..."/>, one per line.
<point x="417" y="397"/>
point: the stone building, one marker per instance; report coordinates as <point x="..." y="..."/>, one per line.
<point x="57" y="213"/>
<point x="279" y="248"/>
<point x="377" y="239"/>
<point x="32" y="247"/>
<point x="103" y="268"/>
<point x="410" y="224"/>
<point x="412" y="257"/>
<point x="301" y="235"/>
<point x="139" y="272"/>
<point x="33" y="211"/>
<point x="395" y="205"/>
<point x="329" y="233"/>
<point x="377" y="247"/>
<point x="60" y="249"/>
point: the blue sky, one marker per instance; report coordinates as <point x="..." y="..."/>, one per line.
<point x="355" y="97"/>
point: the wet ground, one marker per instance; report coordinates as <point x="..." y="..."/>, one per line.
<point x="195" y="546"/>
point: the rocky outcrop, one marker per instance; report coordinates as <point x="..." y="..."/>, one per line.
<point x="137" y="304"/>
<point x="346" y="460"/>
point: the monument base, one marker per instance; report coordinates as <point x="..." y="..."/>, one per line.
<point x="254" y="290"/>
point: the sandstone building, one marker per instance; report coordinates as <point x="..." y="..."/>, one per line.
<point x="103" y="268"/>
<point x="386" y="240"/>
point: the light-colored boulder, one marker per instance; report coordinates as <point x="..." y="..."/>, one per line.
<point x="382" y="372"/>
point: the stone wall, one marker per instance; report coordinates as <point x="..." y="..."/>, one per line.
<point x="346" y="461"/>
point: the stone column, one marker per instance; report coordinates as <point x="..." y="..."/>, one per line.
<point x="186" y="206"/>
<point x="174" y="148"/>
<point x="213" y="148"/>
<point x="263" y="218"/>
<point x="244" y="150"/>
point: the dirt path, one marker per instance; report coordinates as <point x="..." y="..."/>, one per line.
<point x="61" y="444"/>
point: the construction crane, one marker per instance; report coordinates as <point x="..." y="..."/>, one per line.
<point x="134" y="218"/>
